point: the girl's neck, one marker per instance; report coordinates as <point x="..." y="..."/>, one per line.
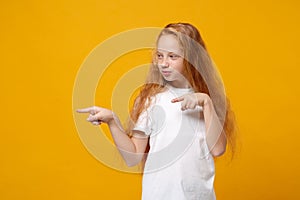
<point x="177" y="84"/>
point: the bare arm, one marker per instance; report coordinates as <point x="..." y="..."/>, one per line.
<point x="131" y="148"/>
<point x="215" y="135"/>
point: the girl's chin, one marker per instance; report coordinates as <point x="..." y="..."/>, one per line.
<point x="168" y="78"/>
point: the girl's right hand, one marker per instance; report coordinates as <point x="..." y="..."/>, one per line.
<point x="97" y="115"/>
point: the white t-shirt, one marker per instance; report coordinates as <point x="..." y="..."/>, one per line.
<point x="179" y="165"/>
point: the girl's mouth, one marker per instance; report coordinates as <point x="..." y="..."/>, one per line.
<point x="166" y="73"/>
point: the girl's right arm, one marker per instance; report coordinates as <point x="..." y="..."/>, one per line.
<point x="132" y="149"/>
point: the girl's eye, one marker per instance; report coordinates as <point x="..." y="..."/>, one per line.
<point x="159" y="56"/>
<point x="174" y="56"/>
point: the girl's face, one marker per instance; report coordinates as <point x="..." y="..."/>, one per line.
<point x="169" y="58"/>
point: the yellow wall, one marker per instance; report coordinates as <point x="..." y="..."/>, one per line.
<point x="43" y="44"/>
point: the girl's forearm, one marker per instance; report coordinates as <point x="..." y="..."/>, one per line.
<point x="215" y="136"/>
<point x="124" y="143"/>
<point x="121" y="139"/>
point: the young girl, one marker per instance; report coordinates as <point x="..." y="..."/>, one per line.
<point x="180" y="121"/>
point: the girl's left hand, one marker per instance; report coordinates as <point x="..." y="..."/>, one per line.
<point x="190" y="101"/>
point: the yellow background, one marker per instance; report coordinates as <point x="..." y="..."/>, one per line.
<point x="43" y="43"/>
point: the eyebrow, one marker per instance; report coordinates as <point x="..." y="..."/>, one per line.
<point x="167" y="52"/>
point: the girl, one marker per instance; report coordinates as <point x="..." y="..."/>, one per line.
<point x="180" y="121"/>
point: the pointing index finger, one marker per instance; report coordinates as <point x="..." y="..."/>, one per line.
<point x="178" y="99"/>
<point x="85" y="110"/>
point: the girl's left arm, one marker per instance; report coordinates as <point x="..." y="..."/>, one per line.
<point x="215" y="135"/>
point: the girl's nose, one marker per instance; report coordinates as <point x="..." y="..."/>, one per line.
<point x="165" y="63"/>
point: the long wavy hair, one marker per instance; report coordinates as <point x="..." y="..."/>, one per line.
<point x="199" y="70"/>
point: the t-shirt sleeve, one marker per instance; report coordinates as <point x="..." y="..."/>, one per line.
<point x="144" y="122"/>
